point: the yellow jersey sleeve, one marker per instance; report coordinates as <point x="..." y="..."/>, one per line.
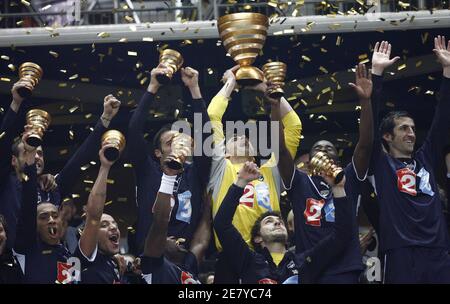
<point x="216" y="109"/>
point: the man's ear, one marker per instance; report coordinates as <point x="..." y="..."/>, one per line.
<point x="387" y="137"/>
<point x="158" y="153"/>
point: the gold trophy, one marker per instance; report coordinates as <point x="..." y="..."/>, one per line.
<point x="182" y="146"/>
<point x="275" y="73"/>
<point x="321" y="162"/>
<point x="243" y="36"/>
<point x="39" y="121"/>
<point x="29" y="71"/>
<point x="173" y="61"/>
<point x="118" y="141"/>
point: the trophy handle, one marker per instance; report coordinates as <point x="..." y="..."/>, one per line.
<point x="24" y="92"/>
<point x="112" y="153"/>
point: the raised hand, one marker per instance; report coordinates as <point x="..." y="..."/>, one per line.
<point x="103" y="160"/>
<point x="248" y="173"/>
<point x="381" y="57"/>
<point x="17" y="99"/>
<point x="363" y="82"/>
<point x="154" y="85"/>
<point x="229" y="75"/>
<point x="443" y="53"/>
<point x="189" y="76"/>
<point x="111" y="106"/>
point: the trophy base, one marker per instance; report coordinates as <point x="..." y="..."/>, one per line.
<point x="249" y="76"/>
<point x="163" y="79"/>
<point x="112" y="154"/>
<point x="339" y="177"/>
<point x="276" y="94"/>
<point x="24" y="92"/>
<point x="174" y="165"/>
<point x="34" y="140"/>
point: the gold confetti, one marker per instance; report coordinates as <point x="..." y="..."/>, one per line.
<point x="92" y="162"/>
<point x="424" y="37"/>
<point x="2" y="134"/>
<point x="308" y="88"/>
<point x="62" y="84"/>
<point x="278" y="33"/>
<point x="403" y="5"/>
<point x="5" y="79"/>
<point x="85" y="167"/>
<point x="85" y="79"/>
<point x="87" y="116"/>
<point x="429" y="92"/>
<point x="323" y="50"/>
<point x="123" y="40"/>
<point x="4" y="57"/>
<point x="75" y="76"/>
<point x="132" y="53"/>
<point x="326" y="90"/>
<point x="431" y="77"/>
<point x="103" y="35"/>
<point x="63" y="151"/>
<point x="401" y="67"/>
<point x="148" y="39"/>
<point x="18" y="23"/>
<point x="87" y="181"/>
<point x="24" y="177"/>
<point x="127" y="165"/>
<point x="362" y="56"/>
<point x="122" y="199"/>
<point x="45" y="7"/>
<point x="324" y="70"/>
<point x="210" y="71"/>
<point x="73" y="109"/>
<point x="71" y="134"/>
<point x="306" y="58"/>
<point x="54" y="54"/>
<point x="334" y="26"/>
<point x="108" y="203"/>
<point x="129" y="19"/>
<point x="338" y="40"/>
<point x="25" y="2"/>
<point x="365" y="61"/>
<point x="418" y="63"/>
<point x="110" y="181"/>
<point x="143" y="81"/>
<point x="133" y="28"/>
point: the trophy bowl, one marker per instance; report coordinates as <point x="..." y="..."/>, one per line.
<point x="39" y="121"/>
<point x="117" y="139"/>
<point x="243" y="35"/>
<point x="173" y="61"/>
<point x="30" y="71"/>
<point x="182" y="146"/>
<point x="321" y="162"/>
<point x="275" y="73"/>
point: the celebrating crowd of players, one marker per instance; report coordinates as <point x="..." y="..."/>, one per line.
<point x="228" y="198"/>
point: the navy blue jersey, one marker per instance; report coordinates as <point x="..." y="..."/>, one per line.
<point x="410" y="207"/>
<point x="10" y="185"/>
<point x="314" y="218"/>
<point x="162" y="271"/>
<point x="10" y="271"/>
<point x="41" y="262"/>
<point x="259" y="268"/>
<point x="98" y="269"/>
<point x="188" y="189"/>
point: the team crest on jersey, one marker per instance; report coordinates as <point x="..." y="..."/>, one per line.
<point x="406" y="181"/>
<point x="187" y="278"/>
<point x="263" y="195"/>
<point x="267" y="281"/>
<point x="329" y="212"/>
<point x="184" y="211"/>
<point x="313" y="212"/>
<point x="69" y="272"/>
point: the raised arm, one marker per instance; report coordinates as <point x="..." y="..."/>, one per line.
<point x="285" y="164"/>
<point x="136" y="143"/>
<point x="155" y="243"/>
<point x="232" y="242"/>
<point x="27" y="223"/>
<point x="10" y="128"/>
<point x="202" y="236"/>
<point x="363" y="149"/>
<point x="381" y="59"/>
<point x="71" y="171"/>
<point x="202" y="161"/>
<point x="94" y="207"/>
<point x="438" y="133"/>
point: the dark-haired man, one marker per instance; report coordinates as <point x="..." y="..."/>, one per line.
<point x="271" y="262"/>
<point x="147" y="166"/>
<point x="413" y="233"/>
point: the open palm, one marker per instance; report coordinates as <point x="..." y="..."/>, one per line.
<point x="442" y="52"/>
<point x="363" y="82"/>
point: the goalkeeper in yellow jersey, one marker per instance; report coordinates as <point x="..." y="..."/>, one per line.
<point x="260" y="195"/>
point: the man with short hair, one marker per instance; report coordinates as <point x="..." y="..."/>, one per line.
<point x="413" y="233"/>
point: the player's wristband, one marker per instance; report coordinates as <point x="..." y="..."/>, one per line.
<point x="167" y="184"/>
